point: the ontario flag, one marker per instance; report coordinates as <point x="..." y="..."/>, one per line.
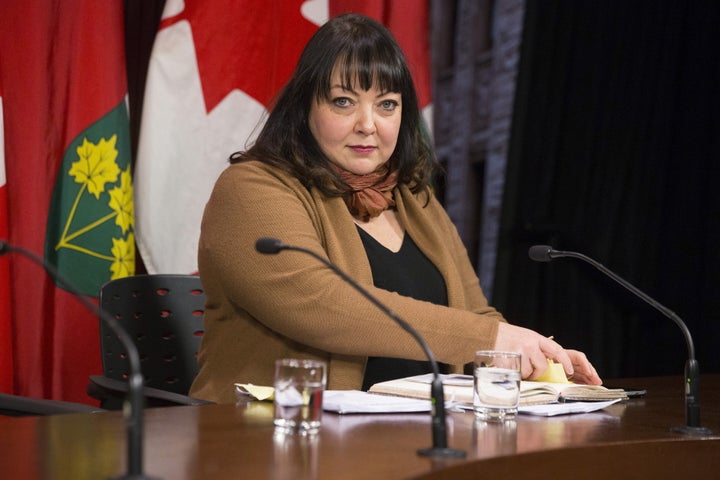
<point x="68" y="184"/>
<point x="214" y="70"/>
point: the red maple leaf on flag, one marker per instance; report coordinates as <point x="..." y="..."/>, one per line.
<point x="250" y="45"/>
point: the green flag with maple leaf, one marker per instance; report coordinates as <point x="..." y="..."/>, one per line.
<point x="90" y="237"/>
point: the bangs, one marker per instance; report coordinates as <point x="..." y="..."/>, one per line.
<point x="369" y="68"/>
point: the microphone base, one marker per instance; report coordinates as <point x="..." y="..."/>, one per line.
<point x="693" y="431"/>
<point x="440" y="452"/>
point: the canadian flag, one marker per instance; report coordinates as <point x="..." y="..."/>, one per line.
<point x="214" y="69"/>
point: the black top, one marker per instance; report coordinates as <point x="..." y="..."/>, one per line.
<point x="409" y="273"/>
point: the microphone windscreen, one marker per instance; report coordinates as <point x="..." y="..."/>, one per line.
<point x="540" y="253"/>
<point x="268" y="245"/>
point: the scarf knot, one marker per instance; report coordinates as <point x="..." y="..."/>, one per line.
<point x="369" y="195"/>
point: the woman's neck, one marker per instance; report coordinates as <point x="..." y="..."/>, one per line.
<point x="386" y="229"/>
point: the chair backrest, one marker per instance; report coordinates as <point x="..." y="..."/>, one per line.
<point x="163" y="314"/>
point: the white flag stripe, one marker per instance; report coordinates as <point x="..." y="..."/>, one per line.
<point x="184" y="147"/>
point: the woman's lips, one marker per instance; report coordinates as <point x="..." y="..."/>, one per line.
<point x="362" y="149"/>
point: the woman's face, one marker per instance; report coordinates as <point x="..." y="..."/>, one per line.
<point x="356" y="129"/>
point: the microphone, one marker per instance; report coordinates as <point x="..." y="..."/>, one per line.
<point x="133" y="410"/>
<point x="545" y="253"/>
<point x="439" y="428"/>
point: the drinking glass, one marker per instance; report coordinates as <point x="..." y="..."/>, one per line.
<point x="496" y="392"/>
<point x="299" y="386"/>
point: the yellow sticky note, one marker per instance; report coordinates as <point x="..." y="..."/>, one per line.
<point x="555" y="373"/>
<point x="257" y="391"/>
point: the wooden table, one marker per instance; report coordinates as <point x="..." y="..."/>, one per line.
<point x="628" y="440"/>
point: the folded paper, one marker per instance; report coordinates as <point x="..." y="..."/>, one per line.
<point x="258" y="392"/>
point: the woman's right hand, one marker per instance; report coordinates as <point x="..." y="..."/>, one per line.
<point x="536" y="349"/>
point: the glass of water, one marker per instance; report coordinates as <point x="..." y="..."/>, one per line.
<point x="299" y="386"/>
<point x="496" y="392"/>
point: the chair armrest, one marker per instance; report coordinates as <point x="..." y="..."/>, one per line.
<point x="18" y="406"/>
<point x="109" y="391"/>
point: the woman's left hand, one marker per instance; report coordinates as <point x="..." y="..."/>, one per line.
<point x="583" y="371"/>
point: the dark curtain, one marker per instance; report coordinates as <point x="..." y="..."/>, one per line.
<point x="615" y="153"/>
<point x="141" y="23"/>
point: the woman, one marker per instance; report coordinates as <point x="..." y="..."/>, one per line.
<point x="341" y="167"/>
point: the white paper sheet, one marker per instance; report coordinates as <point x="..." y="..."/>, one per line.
<point x="552" y="409"/>
<point x="355" y="401"/>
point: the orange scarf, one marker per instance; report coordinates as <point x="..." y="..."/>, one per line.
<point x="371" y="194"/>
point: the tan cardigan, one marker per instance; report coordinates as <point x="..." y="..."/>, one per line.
<point x="263" y="307"/>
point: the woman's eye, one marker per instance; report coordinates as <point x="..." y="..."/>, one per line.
<point x="341" y="102"/>
<point x="388" y="105"/>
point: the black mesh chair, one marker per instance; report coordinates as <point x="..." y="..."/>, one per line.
<point x="21" y="406"/>
<point x="163" y="314"/>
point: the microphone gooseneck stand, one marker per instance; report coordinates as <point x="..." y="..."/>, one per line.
<point x="439" y="428"/>
<point x="135" y="400"/>
<point x="545" y="253"/>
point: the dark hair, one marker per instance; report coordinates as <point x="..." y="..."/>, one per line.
<point x="365" y="52"/>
